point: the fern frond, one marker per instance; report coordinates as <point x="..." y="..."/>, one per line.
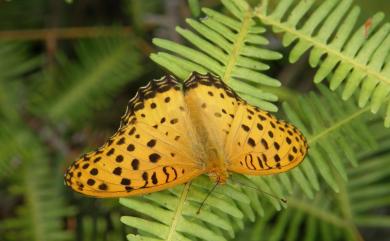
<point x="16" y="62"/>
<point x="334" y="132"/>
<point x="103" y="66"/>
<point x="9" y="161"/>
<point x="228" y="46"/>
<point x="360" y="57"/>
<point x="172" y="215"/>
<point x="40" y="217"/>
<point x="19" y="62"/>
<point x="94" y="224"/>
<point x="338" y="216"/>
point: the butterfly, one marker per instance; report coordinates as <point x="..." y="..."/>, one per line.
<point x="172" y="133"/>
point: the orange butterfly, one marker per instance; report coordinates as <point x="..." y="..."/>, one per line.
<point x="171" y="134"/>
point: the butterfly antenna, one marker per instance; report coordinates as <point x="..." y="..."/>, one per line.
<point x="283" y="200"/>
<point x="207" y="196"/>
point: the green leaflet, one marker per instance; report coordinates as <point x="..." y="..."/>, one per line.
<point x="357" y="57"/>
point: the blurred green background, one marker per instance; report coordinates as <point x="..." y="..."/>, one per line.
<point x="67" y="71"/>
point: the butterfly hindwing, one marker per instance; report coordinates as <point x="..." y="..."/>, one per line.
<point x="260" y="144"/>
<point x="151" y="150"/>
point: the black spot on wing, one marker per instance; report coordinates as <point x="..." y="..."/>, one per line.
<point x="117" y="171"/>
<point x="154" y="157"/>
<point x="103" y="187"/>
<point x="125" y="181"/>
<point x="135" y="164"/>
<point x="94" y="171"/>
<point x="251" y="142"/>
<point x="151" y="143"/>
<point x="91" y="182"/>
<point x="245" y="127"/>
<point x="154" y="178"/>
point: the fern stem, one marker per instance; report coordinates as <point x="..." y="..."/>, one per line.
<point x="235" y="53"/>
<point x="178" y="211"/>
<point x="75" y="33"/>
<point x="316" y="212"/>
<point x="324" y="47"/>
<point x="33" y="203"/>
<point x="312" y="139"/>
<point x="346" y="210"/>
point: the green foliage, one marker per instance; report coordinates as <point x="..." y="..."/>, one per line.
<point x="11" y="16"/>
<point x="334" y="132"/>
<point x="37" y="174"/>
<point x="194" y="7"/>
<point x="172" y="214"/>
<point x="40" y="217"/>
<point x="230" y="47"/>
<point x="19" y="61"/>
<point x="112" y="63"/>
<point x="336" y="216"/>
<point x="357" y="57"/>
<point x="51" y="92"/>
<point x="100" y="226"/>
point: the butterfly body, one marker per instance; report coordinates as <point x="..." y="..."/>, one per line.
<point x="172" y="133"/>
<point x="211" y="152"/>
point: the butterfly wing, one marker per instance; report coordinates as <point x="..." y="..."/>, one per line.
<point x="259" y="144"/>
<point x="151" y="151"/>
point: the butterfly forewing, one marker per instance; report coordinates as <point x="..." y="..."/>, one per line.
<point x="151" y="150"/>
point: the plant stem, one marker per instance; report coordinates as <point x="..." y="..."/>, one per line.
<point x="315" y="211"/>
<point x="234" y="54"/>
<point x="72" y="33"/>
<point x="346" y="211"/>
<point x="64" y="33"/>
<point x="178" y="212"/>
<point x="337" y="125"/>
